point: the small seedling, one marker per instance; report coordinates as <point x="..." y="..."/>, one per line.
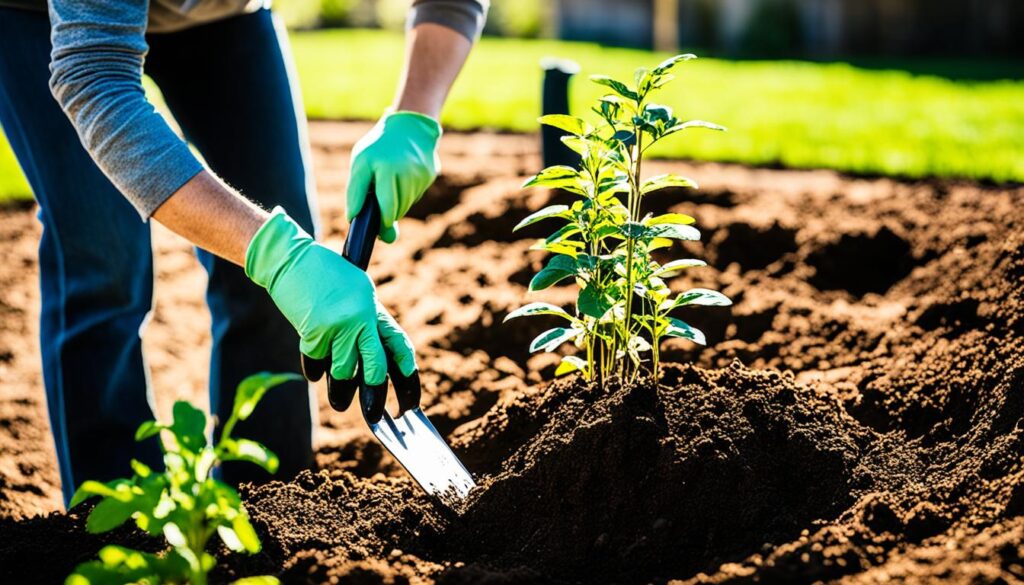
<point x="183" y="503"/>
<point x="605" y="244"/>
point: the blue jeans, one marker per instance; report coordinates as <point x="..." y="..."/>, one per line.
<point x="229" y="87"/>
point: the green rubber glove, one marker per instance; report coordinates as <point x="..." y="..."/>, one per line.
<point x="399" y="155"/>
<point x="329" y="301"/>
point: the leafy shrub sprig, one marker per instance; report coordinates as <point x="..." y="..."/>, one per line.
<point x="183" y="503"/>
<point x="605" y="243"/>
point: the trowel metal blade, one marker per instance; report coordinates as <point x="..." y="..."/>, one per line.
<point x="421" y="450"/>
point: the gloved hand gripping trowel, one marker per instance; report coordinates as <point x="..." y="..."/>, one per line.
<point x="409" y="437"/>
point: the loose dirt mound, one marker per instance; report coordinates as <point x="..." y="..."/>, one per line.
<point x="635" y="484"/>
<point x="859" y="415"/>
<point x="623" y="483"/>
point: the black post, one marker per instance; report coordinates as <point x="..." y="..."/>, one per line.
<point x="555" y="100"/>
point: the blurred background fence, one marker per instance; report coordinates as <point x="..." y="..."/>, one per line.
<point x="761" y="28"/>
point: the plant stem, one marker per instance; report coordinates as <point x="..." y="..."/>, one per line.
<point x="655" y="343"/>
<point x="228" y="427"/>
<point x="590" y="356"/>
<point x="634" y="204"/>
<point x="196" y="543"/>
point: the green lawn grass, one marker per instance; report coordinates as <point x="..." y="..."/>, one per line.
<point x="790" y="113"/>
<point x="12" y="182"/>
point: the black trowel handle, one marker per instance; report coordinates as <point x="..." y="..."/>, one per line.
<point x="362" y="235"/>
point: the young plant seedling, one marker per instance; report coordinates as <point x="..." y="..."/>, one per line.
<point x="182" y="503"/>
<point x="605" y="241"/>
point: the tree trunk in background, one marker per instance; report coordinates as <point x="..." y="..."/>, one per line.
<point x="666" y="25"/>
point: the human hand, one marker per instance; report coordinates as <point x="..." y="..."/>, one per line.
<point x="399" y="157"/>
<point x="330" y="302"/>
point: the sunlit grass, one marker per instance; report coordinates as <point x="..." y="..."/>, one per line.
<point x="789" y="113"/>
<point x="12" y="182"/>
<point x="796" y="114"/>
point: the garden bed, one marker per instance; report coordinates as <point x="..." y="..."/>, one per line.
<point x="857" y="414"/>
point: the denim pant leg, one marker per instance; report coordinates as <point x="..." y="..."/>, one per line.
<point x="230" y="88"/>
<point x="96" y="272"/>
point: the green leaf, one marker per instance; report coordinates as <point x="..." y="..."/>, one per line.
<point x="141" y="469"/>
<point x="664" y="181"/>
<point x="607" y="230"/>
<point x="617" y="101"/>
<point x="119" y="565"/>
<point x="552" y="338"/>
<point x="670" y="268"/>
<point x="189" y="426"/>
<point x="570" y="248"/>
<point x="677" y="218"/>
<point x="555" y="177"/>
<point x="580" y="146"/>
<point x="549" y="211"/>
<point x="594" y="302"/>
<point x="587" y="263"/>
<point x="164" y="507"/>
<point x="617" y="86"/>
<point x="673" y="231"/>
<point x="658" y="244"/>
<point x="174" y="463"/>
<point x="633" y="229"/>
<point x="227" y="497"/>
<point x="148" y="429"/>
<point x="558" y="268"/>
<point x="655" y="291"/>
<point x="627" y="137"/>
<point x="252" y="389"/>
<point x="569" y="364"/>
<point x="113" y="556"/>
<point x="108" y="515"/>
<point x="153" y="505"/>
<point x="639" y="344"/>
<point x="119" y="489"/>
<point x="698" y="296"/>
<point x="537" y="309"/>
<point x="661" y="80"/>
<point x="642" y="79"/>
<point x="617" y="183"/>
<point x="206" y="460"/>
<point x="678" y="328"/>
<point x="671" y="62"/>
<point x="259" y="580"/>
<point x="571" y="124"/>
<point x="174" y="535"/>
<point x="562" y="233"/>
<point x="230" y="539"/>
<point x="251" y="451"/>
<point x="657" y="113"/>
<point x="695" y="124"/>
<point x="246" y="533"/>
<point x="636" y="346"/>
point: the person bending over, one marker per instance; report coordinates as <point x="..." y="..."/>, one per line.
<point x="99" y="158"/>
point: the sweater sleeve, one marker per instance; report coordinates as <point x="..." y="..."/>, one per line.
<point x="96" y="76"/>
<point x="463" y="16"/>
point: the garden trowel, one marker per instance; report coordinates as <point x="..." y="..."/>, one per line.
<point x="409" y="437"/>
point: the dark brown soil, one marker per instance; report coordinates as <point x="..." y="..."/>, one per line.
<point x="858" y="416"/>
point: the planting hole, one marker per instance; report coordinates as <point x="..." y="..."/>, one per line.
<point x="752" y="247"/>
<point x="862" y="263"/>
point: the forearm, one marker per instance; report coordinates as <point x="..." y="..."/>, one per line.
<point x="212" y="216"/>
<point x="434" y="56"/>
